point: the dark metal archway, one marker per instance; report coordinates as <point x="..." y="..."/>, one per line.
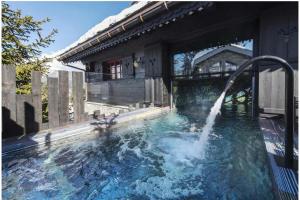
<point x="289" y="99"/>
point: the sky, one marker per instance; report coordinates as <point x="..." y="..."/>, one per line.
<point x="71" y="19"/>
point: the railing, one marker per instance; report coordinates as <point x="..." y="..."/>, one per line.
<point x="92" y="77"/>
<point x="289" y="99"/>
<point x="222" y="74"/>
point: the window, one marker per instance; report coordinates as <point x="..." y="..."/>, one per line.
<point x="112" y="70"/>
<point x="230" y="66"/>
<point x="116" y="70"/>
<point x="92" y="67"/>
<point x="215" y="67"/>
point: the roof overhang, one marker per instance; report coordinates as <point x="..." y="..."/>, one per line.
<point x="153" y="15"/>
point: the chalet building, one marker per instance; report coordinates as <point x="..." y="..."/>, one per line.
<point x="131" y="60"/>
<point x="222" y="59"/>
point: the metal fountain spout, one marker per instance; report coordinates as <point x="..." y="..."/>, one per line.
<point x="289" y="99"/>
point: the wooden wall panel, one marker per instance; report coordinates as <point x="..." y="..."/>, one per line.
<point x="37" y="97"/>
<point x="140" y="70"/>
<point x="158" y="94"/>
<point x="148" y="89"/>
<point x="26" y="114"/>
<point x="127" y="67"/>
<point x="8" y="100"/>
<point x="63" y="103"/>
<point x="274" y="23"/>
<point x="77" y="94"/>
<point x="153" y="60"/>
<point x="53" y="101"/>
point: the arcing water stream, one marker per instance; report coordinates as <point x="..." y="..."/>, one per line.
<point x="210" y="120"/>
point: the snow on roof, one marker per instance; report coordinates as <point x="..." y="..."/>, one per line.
<point x="106" y="23"/>
<point x="56" y="65"/>
<point x="201" y="53"/>
<point x="205" y="54"/>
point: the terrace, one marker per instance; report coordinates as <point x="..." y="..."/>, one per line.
<point x="180" y="101"/>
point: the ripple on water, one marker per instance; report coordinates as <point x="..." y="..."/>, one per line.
<point x="162" y="158"/>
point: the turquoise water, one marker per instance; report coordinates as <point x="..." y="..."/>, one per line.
<point x="150" y="159"/>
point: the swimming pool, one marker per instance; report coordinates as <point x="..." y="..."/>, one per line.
<point x="150" y="159"/>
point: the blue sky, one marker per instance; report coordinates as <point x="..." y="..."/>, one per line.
<point x="71" y="19"/>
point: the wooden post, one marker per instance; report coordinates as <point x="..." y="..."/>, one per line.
<point x="63" y="105"/>
<point x="20" y="111"/>
<point x="37" y="98"/>
<point x="53" y="114"/>
<point x="152" y="90"/>
<point x="158" y="91"/>
<point x="26" y="114"/>
<point x="8" y="100"/>
<point x="147" y="90"/>
<point x="171" y="94"/>
<point x="77" y="93"/>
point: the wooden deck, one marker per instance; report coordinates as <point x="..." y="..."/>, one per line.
<point x="285" y="180"/>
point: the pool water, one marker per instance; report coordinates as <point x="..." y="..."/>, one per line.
<point x="150" y="159"/>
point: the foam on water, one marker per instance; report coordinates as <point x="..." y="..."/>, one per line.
<point x="185" y="150"/>
<point x="181" y="153"/>
<point x="174" y="156"/>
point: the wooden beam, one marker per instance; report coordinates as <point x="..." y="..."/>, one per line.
<point x="26" y="114"/>
<point x="8" y="100"/>
<point x="77" y="94"/>
<point x="37" y="98"/>
<point x="9" y="89"/>
<point x="63" y="105"/>
<point x="53" y="114"/>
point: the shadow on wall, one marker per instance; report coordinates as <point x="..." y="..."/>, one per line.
<point x="9" y="127"/>
<point x="31" y="126"/>
<point x="15" y="132"/>
<point x="12" y="129"/>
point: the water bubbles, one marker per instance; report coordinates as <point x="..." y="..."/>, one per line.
<point x="178" y="155"/>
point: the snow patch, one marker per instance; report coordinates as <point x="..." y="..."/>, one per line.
<point x="106" y="23"/>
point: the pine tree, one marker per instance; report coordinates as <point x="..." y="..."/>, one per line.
<point x="21" y="47"/>
<point x="18" y="47"/>
<point x="17" y="30"/>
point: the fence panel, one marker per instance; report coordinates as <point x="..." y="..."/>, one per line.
<point x="8" y="100"/>
<point x="53" y="115"/>
<point x="37" y="97"/>
<point x="78" y="98"/>
<point x="63" y="103"/>
<point x="26" y="114"/>
<point x="22" y="114"/>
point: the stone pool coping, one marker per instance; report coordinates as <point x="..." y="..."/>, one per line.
<point x="58" y="134"/>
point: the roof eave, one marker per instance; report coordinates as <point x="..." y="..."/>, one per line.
<point x="133" y="19"/>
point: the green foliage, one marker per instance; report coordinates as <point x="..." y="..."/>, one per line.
<point x="23" y="74"/>
<point x="21" y="44"/>
<point x="17" y="31"/>
<point x="45" y="102"/>
<point x="187" y="62"/>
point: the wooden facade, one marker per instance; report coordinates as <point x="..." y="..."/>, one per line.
<point x="148" y="46"/>
<point x="223" y="59"/>
<point x="278" y="36"/>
